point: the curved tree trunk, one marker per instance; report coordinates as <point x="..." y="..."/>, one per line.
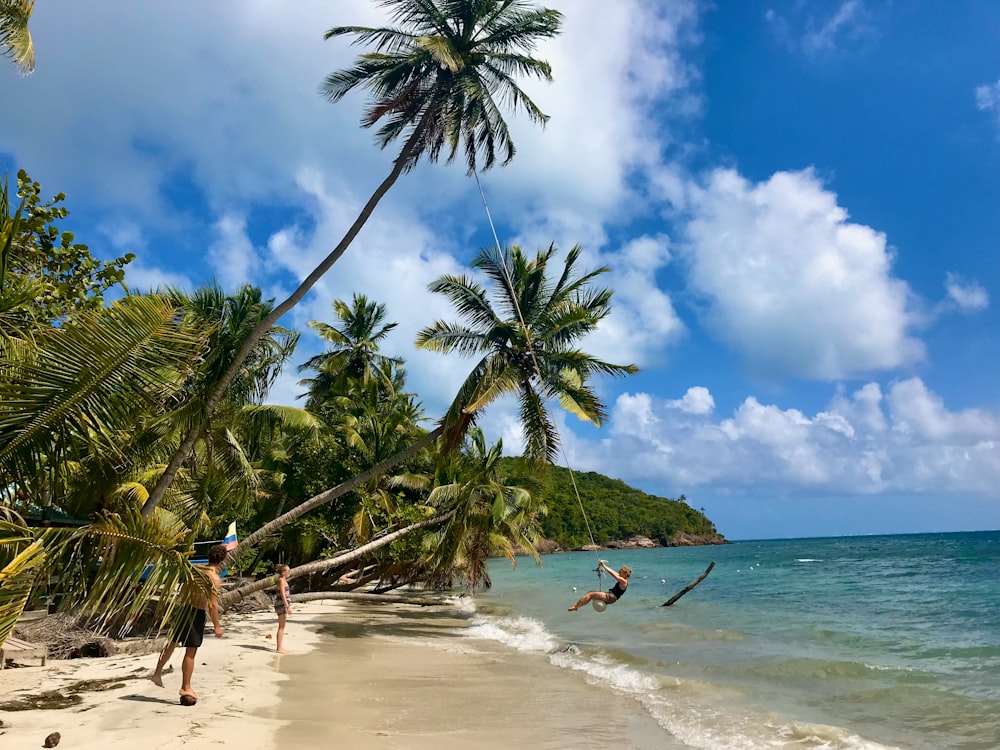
<point x="332" y="494"/>
<point x="318" y="566"/>
<point x="400" y="165"/>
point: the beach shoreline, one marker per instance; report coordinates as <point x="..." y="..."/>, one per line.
<point x="364" y="676"/>
<point x="237" y="678"/>
<point x="395" y="677"/>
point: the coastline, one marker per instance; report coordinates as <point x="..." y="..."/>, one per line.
<point x="395" y="677"/>
<point x="237" y="678"/>
<point x="359" y="675"/>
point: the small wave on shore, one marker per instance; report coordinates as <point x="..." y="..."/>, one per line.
<point x="695" y="713"/>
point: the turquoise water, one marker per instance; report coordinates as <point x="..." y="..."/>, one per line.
<point x="849" y="642"/>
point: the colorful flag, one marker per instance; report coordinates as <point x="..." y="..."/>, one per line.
<point x="230" y="541"/>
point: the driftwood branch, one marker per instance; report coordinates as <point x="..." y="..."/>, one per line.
<point x="369" y="598"/>
<point x="690" y="586"/>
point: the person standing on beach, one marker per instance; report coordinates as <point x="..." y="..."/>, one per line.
<point x="282" y="604"/>
<point x="611" y="595"/>
<point x="190" y="631"/>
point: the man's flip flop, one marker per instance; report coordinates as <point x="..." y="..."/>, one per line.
<point x="188" y="700"/>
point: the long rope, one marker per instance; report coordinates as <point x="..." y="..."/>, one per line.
<point x="538" y="373"/>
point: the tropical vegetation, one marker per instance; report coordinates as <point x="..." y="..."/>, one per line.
<point x="144" y="417"/>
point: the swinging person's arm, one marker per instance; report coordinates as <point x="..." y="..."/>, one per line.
<point x="614" y="573"/>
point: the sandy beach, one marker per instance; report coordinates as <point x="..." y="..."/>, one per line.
<point x="237" y="678"/>
<point x="358" y="676"/>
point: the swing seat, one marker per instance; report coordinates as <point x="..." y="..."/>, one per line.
<point x="599" y="604"/>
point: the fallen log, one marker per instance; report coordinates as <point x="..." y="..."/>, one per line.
<point x="690" y="586"/>
<point x="313" y="596"/>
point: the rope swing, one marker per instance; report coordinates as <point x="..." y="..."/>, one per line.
<point x="597" y="604"/>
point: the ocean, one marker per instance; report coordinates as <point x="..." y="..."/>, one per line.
<point x="848" y="642"/>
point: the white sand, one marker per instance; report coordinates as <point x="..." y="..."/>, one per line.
<point x="389" y="677"/>
<point x="236" y="678"/>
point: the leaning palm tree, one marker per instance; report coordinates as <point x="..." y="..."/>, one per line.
<point x="15" y="39"/>
<point x="494" y="517"/>
<point x="354" y="349"/>
<point x="526" y="340"/>
<point x="438" y="80"/>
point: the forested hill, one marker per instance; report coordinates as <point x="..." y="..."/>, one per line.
<point x="617" y="512"/>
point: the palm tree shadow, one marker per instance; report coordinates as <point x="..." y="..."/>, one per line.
<point x="255" y="647"/>
<point x="418" y="627"/>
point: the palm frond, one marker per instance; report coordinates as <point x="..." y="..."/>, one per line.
<point x="17" y="579"/>
<point x="15" y="38"/>
<point x="121" y="564"/>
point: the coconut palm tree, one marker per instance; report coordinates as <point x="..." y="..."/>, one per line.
<point x="439" y="80"/>
<point x="493" y="517"/>
<point x="526" y="341"/>
<point x="15" y="39"/>
<point x="525" y="338"/>
<point x="353" y="353"/>
<point x="83" y="384"/>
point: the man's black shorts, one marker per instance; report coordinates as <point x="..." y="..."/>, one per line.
<point x="190" y="628"/>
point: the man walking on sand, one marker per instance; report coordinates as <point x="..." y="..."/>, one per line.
<point x="190" y="630"/>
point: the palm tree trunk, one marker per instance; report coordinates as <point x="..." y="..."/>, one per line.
<point x="332" y="494"/>
<point x="184" y="450"/>
<point x="318" y="566"/>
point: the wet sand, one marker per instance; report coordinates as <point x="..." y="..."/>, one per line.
<point x="395" y="677"/>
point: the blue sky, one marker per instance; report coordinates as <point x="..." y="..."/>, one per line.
<point x="798" y="201"/>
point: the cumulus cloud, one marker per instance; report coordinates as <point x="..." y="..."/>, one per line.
<point x="697" y="400"/>
<point x="643" y="321"/>
<point x="791" y="284"/>
<point x="968" y="295"/>
<point x="863" y="442"/>
<point x="232" y="255"/>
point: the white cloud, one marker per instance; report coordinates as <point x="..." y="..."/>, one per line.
<point x="643" y="321"/>
<point x="232" y="255"/>
<point x="143" y="278"/>
<point x="697" y="400"/>
<point x="921" y="415"/>
<point x="849" y="24"/>
<point x="792" y="285"/>
<point x="988" y="97"/>
<point x="587" y="169"/>
<point x="970" y="296"/>
<point x="862" y="443"/>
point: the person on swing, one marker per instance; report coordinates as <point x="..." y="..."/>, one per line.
<point x="611" y="595"/>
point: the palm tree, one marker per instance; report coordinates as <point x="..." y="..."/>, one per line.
<point x="354" y="353"/>
<point x="15" y="39"/>
<point x="493" y="518"/>
<point x="83" y="384"/>
<point x="540" y="322"/>
<point x="438" y="80"/>
<point x="528" y="347"/>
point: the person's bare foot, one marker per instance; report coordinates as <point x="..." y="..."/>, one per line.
<point x="572" y="609"/>
<point x="156" y="679"/>
<point x="190" y="695"/>
<point x="282" y="651"/>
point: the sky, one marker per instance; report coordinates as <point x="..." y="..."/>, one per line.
<point x="798" y="202"/>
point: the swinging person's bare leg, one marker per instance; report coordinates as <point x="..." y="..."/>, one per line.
<point x="589" y="596"/>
